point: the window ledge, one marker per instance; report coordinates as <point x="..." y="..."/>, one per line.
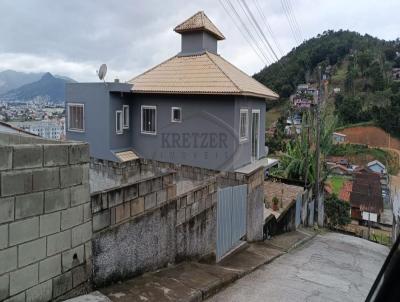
<point x="148" y="133"/>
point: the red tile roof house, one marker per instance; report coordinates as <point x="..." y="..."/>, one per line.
<point x="366" y="197"/>
<point x="195" y="108"/>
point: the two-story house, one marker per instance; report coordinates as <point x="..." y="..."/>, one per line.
<point x="195" y="108"/>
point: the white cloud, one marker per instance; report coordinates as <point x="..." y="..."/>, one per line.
<point x="73" y="37"/>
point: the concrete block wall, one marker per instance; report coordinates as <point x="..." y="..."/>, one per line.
<point x="152" y="227"/>
<point x="255" y="205"/>
<point x="45" y="218"/>
<point x="114" y="206"/>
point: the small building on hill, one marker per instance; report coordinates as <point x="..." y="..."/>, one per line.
<point x="396" y="74"/>
<point x="339" y="138"/>
<point x="377" y="167"/>
<point x="366" y="197"/>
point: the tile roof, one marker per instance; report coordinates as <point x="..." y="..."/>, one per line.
<point x="204" y="73"/>
<point x="287" y="195"/>
<point x="366" y="192"/>
<point x="199" y="22"/>
<point x="345" y="191"/>
<point x="126" y="156"/>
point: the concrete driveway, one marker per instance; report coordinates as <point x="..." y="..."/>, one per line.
<point x="331" y="267"/>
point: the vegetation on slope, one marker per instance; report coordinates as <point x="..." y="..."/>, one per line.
<point x="361" y="155"/>
<point x="360" y="65"/>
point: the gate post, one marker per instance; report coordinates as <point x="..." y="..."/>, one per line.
<point x="321" y="211"/>
<point x="255" y="205"/>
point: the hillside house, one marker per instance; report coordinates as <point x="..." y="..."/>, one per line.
<point x="396" y="74"/>
<point x="338" y="138"/>
<point x="366" y="197"/>
<point x="377" y="167"/>
<point x="195" y="108"/>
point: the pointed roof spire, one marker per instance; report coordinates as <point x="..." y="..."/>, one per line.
<point x="199" y="22"/>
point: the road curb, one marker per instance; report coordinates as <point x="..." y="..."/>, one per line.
<point x="221" y="286"/>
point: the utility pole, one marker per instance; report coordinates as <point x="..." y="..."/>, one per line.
<point x="317" y="189"/>
<point x="369" y="210"/>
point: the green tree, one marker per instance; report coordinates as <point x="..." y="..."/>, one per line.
<point x="390" y="54"/>
<point x="364" y="59"/>
<point x="348" y="108"/>
<point x="299" y="158"/>
<point x="376" y="74"/>
<point x="337" y="212"/>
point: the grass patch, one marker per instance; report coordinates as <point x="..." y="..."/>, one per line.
<point x="340" y="74"/>
<point x="337" y="182"/>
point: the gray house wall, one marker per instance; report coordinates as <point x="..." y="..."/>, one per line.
<point x="99" y="116"/>
<point x="196" y="42"/>
<point x="119" y="142"/>
<point x="244" y="149"/>
<point x="210" y="118"/>
<point x="207" y="136"/>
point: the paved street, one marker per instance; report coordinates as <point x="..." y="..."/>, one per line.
<point x="331" y="267"/>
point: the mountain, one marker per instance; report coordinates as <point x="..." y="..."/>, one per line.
<point x="331" y="48"/>
<point x="48" y="86"/>
<point x="360" y="66"/>
<point x="10" y="79"/>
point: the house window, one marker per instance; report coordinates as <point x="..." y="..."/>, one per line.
<point x="76" y="117"/>
<point x="118" y="122"/>
<point x="149" y="120"/>
<point x="125" y="113"/>
<point x="244" y="125"/>
<point x="176" y="114"/>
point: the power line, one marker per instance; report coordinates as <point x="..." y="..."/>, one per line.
<point x="264" y="46"/>
<point x="243" y="34"/>
<point x="266" y="23"/>
<point x="291" y="20"/>
<point x="260" y="30"/>
<point x="294" y="21"/>
<point x="248" y="31"/>
<point x="291" y="25"/>
<point x="300" y="31"/>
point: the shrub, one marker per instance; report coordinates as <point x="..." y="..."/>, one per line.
<point x="337" y="212"/>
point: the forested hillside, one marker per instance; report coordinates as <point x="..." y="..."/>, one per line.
<point x="360" y="65"/>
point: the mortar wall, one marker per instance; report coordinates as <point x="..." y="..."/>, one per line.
<point x="44" y="192"/>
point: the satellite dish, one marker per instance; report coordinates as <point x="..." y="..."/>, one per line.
<point x="102" y="71"/>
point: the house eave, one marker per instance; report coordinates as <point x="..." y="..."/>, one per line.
<point x="227" y="93"/>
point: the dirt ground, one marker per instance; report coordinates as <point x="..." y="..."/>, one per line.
<point x="372" y="136"/>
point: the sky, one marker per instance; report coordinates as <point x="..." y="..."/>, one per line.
<point x="73" y="37"/>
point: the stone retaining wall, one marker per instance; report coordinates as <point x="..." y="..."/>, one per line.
<point x="45" y="218"/>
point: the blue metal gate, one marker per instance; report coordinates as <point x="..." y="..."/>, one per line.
<point x="231" y="218"/>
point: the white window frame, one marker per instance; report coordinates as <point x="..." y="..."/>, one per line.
<point x="246" y="136"/>
<point x="125" y="122"/>
<point x="172" y="114"/>
<point x="69" y="105"/>
<point x="121" y="129"/>
<point x="259" y="132"/>
<point x="155" y="119"/>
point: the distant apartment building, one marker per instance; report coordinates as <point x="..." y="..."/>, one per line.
<point x="50" y="129"/>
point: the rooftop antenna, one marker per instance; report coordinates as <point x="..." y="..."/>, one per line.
<point x="102" y="72"/>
